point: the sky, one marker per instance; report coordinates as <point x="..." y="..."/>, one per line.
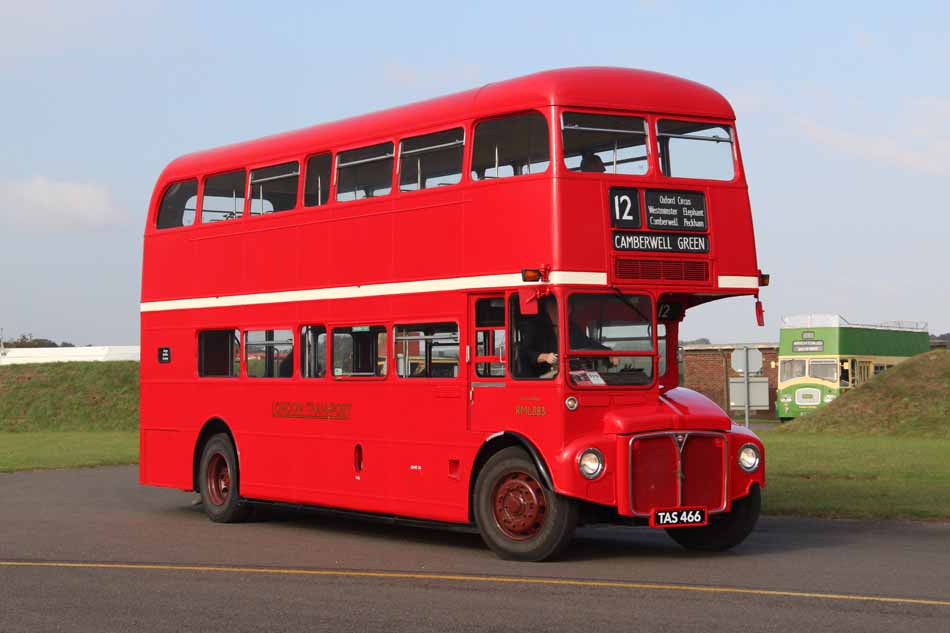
<point x="843" y="117"/>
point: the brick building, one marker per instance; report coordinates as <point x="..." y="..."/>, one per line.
<point x="707" y="369"/>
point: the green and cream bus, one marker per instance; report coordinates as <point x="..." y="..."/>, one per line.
<point x="822" y="355"/>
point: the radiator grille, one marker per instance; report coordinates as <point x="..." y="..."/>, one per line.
<point x="663" y="475"/>
<point x="662" y="270"/>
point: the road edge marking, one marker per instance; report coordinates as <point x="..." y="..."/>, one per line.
<point x="606" y="584"/>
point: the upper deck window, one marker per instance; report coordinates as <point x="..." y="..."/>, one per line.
<point x="431" y="160"/>
<point x="223" y="197"/>
<point x="605" y="143"/>
<point x="317" y="188"/>
<point x="274" y="188"/>
<point x="366" y="172"/>
<point x="515" y="145"/>
<point x="690" y="149"/>
<point x="178" y="205"/>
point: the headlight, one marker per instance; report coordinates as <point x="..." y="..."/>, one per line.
<point x="749" y="458"/>
<point x="571" y="403"/>
<point x="591" y="463"/>
<point x="786" y="398"/>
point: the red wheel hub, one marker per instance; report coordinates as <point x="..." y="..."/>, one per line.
<point x="218" y="480"/>
<point x="519" y="505"/>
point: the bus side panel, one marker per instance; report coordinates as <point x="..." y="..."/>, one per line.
<point x="518" y="233"/>
<point x="730" y="224"/>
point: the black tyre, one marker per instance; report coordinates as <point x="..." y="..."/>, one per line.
<point x="218" y="480"/>
<point x="724" y="531"/>
<point x="518" y="517"/>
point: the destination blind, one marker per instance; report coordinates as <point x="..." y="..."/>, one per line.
<point x="676" y="210"/>
<point x="660" y="242"/>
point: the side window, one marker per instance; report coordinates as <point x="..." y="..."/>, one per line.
<point x="274" y="188"/>
<point x="427" y="351"/>
<point x="490" y="341"/>
<point x="359" y="351"/>
<point x="178" y="205"/>
<point x="366" y="172"/>
<point x="514" y="145"/>
<point x="601" y="143"/>
<point x="317" y="185"/>
<point x="534" y="340"/>
<point x="695" y="150"/>
<point x="219" y="353"/>
<point x="223" y="197"/>
<point x="431" y="160"/>
<point x="270" y="353"/>
<point x="313" y="351"/>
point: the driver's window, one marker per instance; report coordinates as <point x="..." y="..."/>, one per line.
<point x="534" y="338"/>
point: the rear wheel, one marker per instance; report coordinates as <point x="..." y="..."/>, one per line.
<point x="218" y="481"/>
<point x="518" y="517"/>
<point x="724" y="531"/>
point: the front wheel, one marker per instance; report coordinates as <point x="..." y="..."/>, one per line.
<point x="517" y="516"/>
<point x="724" y="531"/>
<point x="218" y="482"/>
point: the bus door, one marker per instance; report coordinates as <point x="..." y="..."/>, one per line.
<point x="487" y="354"/>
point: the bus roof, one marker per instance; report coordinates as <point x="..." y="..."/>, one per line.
<point x="594" y="87"/>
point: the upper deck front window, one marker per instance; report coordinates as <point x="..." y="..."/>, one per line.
<point x="515" y="145"/>
<point x="692" y="149"/>
<point x="599" y="324"/>
<point x="604" y="143"/>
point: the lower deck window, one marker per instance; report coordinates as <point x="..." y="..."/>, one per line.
<point x="427" y="351"/>
<point x="359" y="351"/>
<point x="219" y="353"/>
<point x="270" y="353"/>
<point x="791" y="368"/>
<point x="313" y="351"/>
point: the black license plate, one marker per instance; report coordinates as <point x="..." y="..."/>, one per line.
<point x="678" y="517"/>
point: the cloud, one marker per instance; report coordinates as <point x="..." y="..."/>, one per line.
<point x="925" y="153"/>
<point x="49" y="205"/>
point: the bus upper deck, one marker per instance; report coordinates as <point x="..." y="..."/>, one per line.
<point x="594" y="175"/>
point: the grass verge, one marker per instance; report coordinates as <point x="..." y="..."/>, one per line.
<point x="64" y="449"/>
<point x="857" y="477"/>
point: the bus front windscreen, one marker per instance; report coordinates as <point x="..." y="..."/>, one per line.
<point x="603" y="323"/>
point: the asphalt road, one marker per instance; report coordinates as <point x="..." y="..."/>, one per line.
<point x="90" y="550"/>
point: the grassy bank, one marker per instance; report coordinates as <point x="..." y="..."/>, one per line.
<point x="67" y="449"/>
<point x="94" y="396"/>
<point x="856" y="476"/>
<point x="910" y="400"/>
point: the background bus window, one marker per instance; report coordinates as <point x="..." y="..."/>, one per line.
<point x="219" y="353"/>
<point x="270" y="353"/>
<point x="366" y="172"/>
<point x="317" y="187"/>
<point x="695" y="150"/>
<point x="490" y="335"/>
<point x="274" y="188"/>
<point x="823" y="370"/>
<point x="601" y="143"/>
<point x="427" y="351"/>
<point x="178" y="205"/>
<point x="791" y="368"/>
<point x="431" y="160"/>
<point x="223" y="197"/>
<point x="313" y="351"/>
<point x="359" y="351"/>
<point x="515" y="145"/>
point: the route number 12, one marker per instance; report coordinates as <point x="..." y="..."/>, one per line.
<point x="624" y="208"/>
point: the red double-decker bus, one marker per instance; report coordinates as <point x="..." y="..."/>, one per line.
<point x="463" y="310"/>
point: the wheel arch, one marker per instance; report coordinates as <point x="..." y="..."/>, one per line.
<point x="211" y="428"/>
<point x="498" y="442"/>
